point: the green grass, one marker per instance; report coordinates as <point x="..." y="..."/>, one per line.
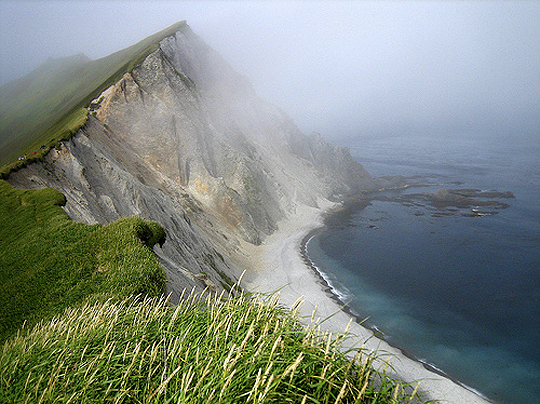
<point x="40" y="108"/>
<point x="62" y="130"/>
<point x="205" y="350"/>
<point x="48" y="262"/>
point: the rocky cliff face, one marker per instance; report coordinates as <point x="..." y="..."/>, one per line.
<point x="183" y="140"/>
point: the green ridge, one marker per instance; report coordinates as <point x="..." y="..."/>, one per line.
<point x="49" y="104"/>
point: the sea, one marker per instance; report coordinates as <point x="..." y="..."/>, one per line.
<point x="455" y="288"/>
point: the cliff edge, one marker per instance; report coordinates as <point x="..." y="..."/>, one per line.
<point x="182" y="139"/>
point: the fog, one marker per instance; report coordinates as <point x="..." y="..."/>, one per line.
<point x="339" y="68"/>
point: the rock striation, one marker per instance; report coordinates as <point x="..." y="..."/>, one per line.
<point x="183" y="139"/>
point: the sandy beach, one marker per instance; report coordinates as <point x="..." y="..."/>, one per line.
<point x="281" y="266"/>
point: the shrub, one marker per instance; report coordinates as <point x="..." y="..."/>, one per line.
<point x="150" y="233"/>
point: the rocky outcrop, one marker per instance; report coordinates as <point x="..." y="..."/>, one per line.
<point x="463" y="198"/>
<point x="183" y="140"/>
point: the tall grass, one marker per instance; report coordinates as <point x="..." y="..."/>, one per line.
<point x="48" y="262"/>
<point x="205" y="350"/>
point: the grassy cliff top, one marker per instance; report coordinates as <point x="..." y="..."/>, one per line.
<point x="49" y="104"/>
<point x="48" y="262"/>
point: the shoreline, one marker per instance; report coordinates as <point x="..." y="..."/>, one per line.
<point x="283" y="265"/>
<point x="329" y="289"/>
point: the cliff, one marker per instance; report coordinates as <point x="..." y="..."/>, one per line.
<point x="182" y="139"/>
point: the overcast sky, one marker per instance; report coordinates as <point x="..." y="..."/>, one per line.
<point x="339" y="68"/>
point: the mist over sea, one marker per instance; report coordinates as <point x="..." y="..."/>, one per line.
<point x="457" y="290"/>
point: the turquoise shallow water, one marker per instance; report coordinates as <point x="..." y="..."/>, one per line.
<point x="460" y="292"/>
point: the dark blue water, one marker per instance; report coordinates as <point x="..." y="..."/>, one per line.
<point x="459" y="292"/>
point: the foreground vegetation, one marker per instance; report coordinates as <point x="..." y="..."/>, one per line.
<point x="82" y="322"/>
<point x="48" y="262"/>
<point x="205" y="350"/>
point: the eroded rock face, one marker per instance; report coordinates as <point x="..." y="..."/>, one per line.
<point x="99" y="189"/>
<point x="184" y="140"/>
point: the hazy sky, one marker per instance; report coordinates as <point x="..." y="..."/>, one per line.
<point x="337" y="67"/>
